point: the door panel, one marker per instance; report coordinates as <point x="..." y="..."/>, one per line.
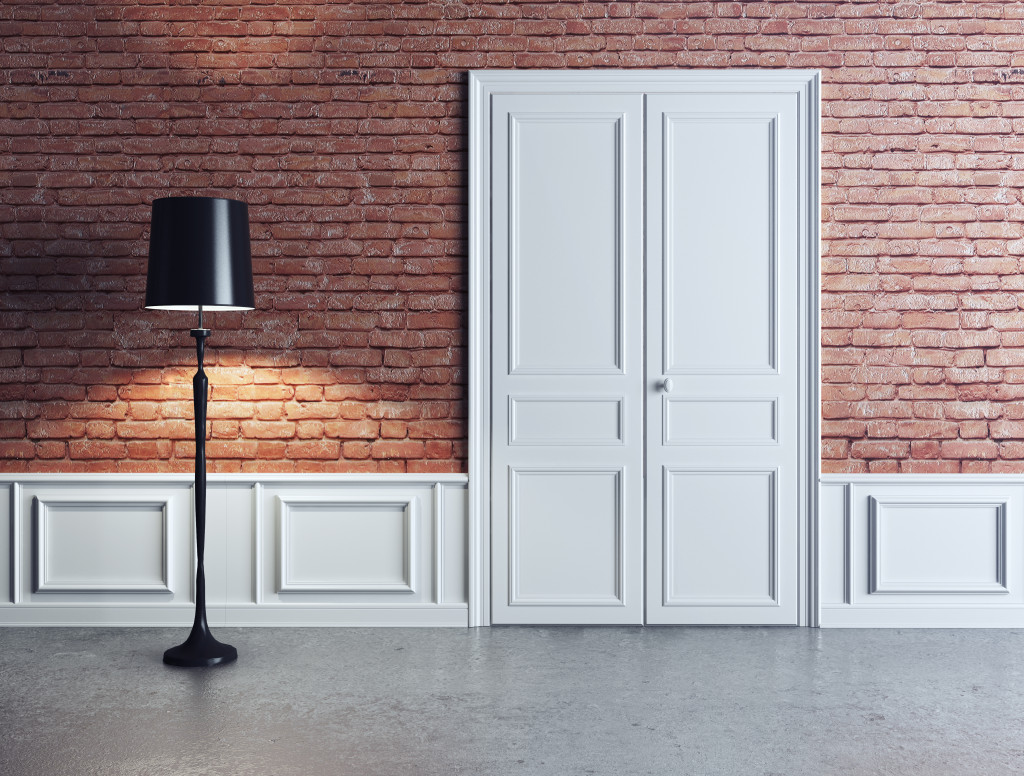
<point x="722" y="329"/>
<point x="718" y="250"/>
<point x="720" y="537"/>
<point x="551" y="511"/>
<point x="567" y="358"/>
<point x="564" y="215"/>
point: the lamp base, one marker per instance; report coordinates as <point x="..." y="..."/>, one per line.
<point x="200" y="650"/>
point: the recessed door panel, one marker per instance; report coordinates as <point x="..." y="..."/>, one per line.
<point x="719" y="206"/>
<point x="720" y="546"/>
<point x="566" y="273"/>
<point x="566" y="537"/>
<point x="565" y="421"/>
<point x="704" y="421"/>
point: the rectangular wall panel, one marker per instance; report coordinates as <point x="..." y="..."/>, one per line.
<point x="230" y="536"/>
<point x="936" y="551"/>
<point x="453" y="583"/>
<point x="920" y="545"/>
<point x="341" y="545"/>
<point x="833" y="574"/>
<point x="125" y="545"/>
<point x="102" y="545"/>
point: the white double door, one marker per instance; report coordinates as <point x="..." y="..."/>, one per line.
<point x="644" y="357"/>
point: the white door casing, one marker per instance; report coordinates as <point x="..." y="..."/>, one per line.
<point x="560" y="385"/>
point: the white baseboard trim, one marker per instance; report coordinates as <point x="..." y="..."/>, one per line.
<point x="921" y="551"/>
<point x="281" y="550"/>
<point x="427" y="616"/>
<point x="939" y="616"/>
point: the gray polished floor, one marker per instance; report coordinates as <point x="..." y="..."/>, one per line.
<point x="616" y="701"/>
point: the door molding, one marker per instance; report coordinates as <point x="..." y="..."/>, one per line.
<point x="805" y="85"/>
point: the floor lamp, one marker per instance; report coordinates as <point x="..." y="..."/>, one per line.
<point x="199" y="260"/>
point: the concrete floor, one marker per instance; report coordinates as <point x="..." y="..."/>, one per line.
<point x="615" y="701"/>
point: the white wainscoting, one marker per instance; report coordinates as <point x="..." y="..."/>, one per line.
<point x="928" y="551"/>
<point x="107" y="549"/>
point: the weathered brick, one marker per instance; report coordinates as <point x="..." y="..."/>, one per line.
<point x="974" y="449"/>
<point x="359" y="226"/>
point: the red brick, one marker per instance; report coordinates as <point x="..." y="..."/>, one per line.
<point x="927" y="429"/>
<point x="261" y="429"/>
<point x="324" y="449"/>
<point x="88" y="449"/>
<point x="397" y="449"/>
<point x="880" y="449"/>
<point x="359" y="234"/>
<point x="974" y="449"/>
<point x="929" y="467"/>
<point x="1006" y="429"/>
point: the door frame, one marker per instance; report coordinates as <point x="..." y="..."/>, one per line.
<point x="805" y="85"/>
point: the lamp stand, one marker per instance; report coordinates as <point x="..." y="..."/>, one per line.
<point x="200" y="648"/>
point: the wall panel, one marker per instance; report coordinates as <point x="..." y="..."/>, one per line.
<point x="922" y="551"/>
<point x="117" y="550"/>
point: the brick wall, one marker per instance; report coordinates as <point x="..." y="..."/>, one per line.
<point x="342" y="124"/>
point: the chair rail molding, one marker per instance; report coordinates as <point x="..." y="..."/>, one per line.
<point x="929" y="551"/>
<point x="281" y="549"/>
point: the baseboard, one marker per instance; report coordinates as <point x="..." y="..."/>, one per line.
<point x="921" y="551"/>
<point x="295" y="550"/>
<point x="253" y="616"/>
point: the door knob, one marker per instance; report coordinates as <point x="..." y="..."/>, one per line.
<point x="665" y="385"/>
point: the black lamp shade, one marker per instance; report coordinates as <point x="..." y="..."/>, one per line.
<point x="199" y="255"/>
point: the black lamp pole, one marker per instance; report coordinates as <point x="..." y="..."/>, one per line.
<point x="199" y="257"/>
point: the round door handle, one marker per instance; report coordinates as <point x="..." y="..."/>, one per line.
<point x="665" y="385"/>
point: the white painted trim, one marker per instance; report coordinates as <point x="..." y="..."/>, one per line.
<point x="806" y="85"/>
<point x="866" y="603"/>
<point x="340" y="478"/>
<point x="236" y="616"/>
<point x="810" y="421"/>
<point x="244" y="600"/>
<point x="257" y="543"/>
<point x="633" y="81"/>
<point x="848" y="543"/>
<point x="437" y="496"/>
<point x="16" y="548"/>
<point x="921" y="479"/>
<point x="478" y="584"/>
<point x="933" y="616"/>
